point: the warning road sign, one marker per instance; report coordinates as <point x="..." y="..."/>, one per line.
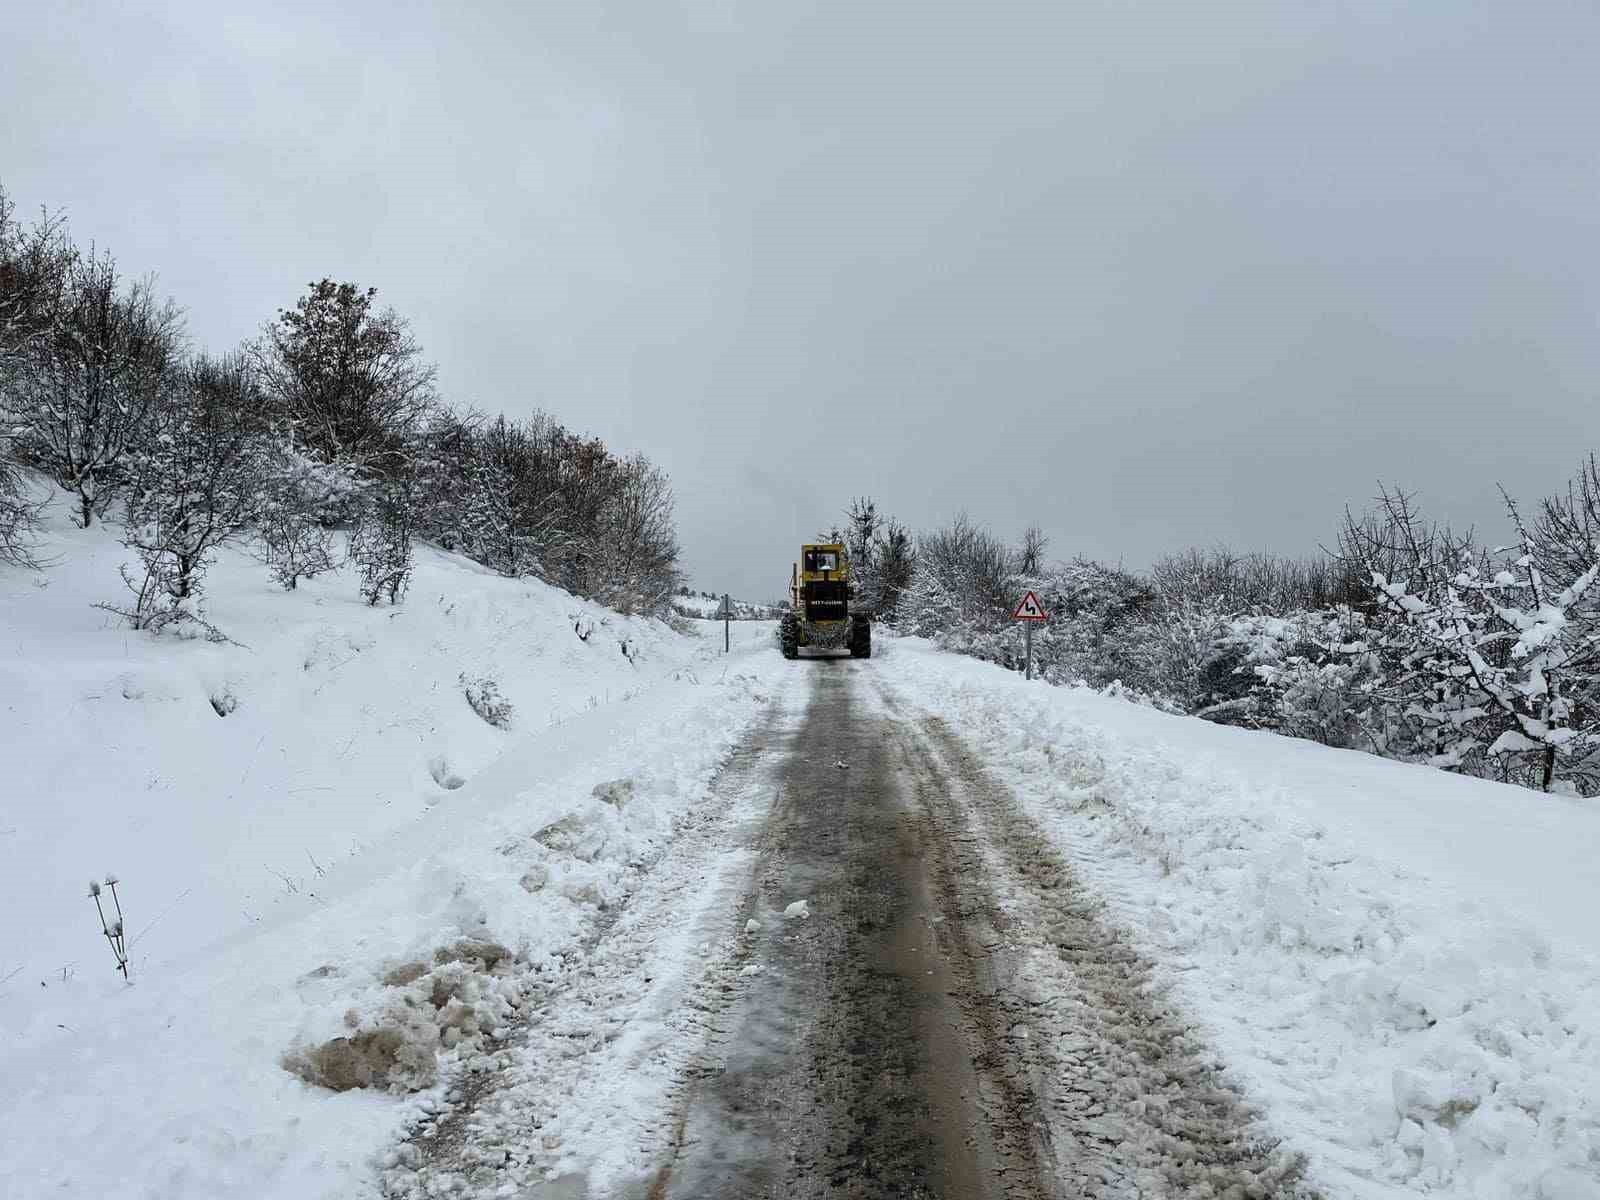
<point x="1029" y="609"/>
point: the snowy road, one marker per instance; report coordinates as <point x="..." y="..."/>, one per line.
<point x="863" y="972"/>
<point x="541" y="935"/>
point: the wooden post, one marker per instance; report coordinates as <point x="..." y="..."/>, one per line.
<point x="727" y="623"/>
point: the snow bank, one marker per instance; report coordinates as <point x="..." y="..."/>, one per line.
<point x="1402" y="966"/>
<point x="309" y="828"/>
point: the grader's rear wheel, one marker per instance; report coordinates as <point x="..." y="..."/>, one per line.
<point x="860" y="637"/>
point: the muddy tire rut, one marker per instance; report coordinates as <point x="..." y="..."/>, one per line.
<point x="1136" y="1103"/>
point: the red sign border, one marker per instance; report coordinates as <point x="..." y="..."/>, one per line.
<point x="1017" y="614"/>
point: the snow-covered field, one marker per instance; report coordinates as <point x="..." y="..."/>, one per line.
<point x="1402" y="966"/>
<point x="291" y="819"/>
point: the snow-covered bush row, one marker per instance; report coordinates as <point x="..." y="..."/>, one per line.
<point x="329" y="419"/>
<point x="1411" y="642"/>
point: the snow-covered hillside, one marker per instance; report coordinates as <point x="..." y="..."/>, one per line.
<point x="291" y="818"/>
<point x="704" y="606"/>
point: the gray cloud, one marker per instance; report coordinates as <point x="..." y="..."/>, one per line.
<point x="1153" y="274"/>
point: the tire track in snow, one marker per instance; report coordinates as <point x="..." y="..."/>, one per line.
<point x="1135" y="1103"/>
<point x="957" y="1018"/>
<point x="868" y="1060"/>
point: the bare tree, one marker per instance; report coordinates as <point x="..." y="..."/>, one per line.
<point x="34" y="264"/>
<point x="83" y="390"/>
<point x="1030" y="558"/>
<point x="639" y="548"/>
<point x="963" y="578"/>
<point x="350" y="378"/>
<point x="382" y="543"/>
<point x="1568" y="527"/>
<point x="33" y="272"/>
<point x="444" y="454"/>
<point x="512" y="514"/>
<point x="896" y="561"/>
<point x="20" y="513"/>
<point x="862" y="522"/>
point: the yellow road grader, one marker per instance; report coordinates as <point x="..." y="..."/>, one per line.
<point x="819" y="613"/>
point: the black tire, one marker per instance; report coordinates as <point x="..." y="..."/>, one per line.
<point x="860" y="637"/>
<point x="789" y="634"/>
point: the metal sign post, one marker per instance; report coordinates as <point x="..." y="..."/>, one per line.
<point x="1030" y="612"/>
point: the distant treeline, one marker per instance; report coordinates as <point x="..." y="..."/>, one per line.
<point x="702" y="605"/>
<point x="331" y="419"/>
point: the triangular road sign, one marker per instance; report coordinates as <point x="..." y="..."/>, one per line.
<point x="1029" y="609"/>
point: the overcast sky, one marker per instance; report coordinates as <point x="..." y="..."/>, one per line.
<point x="1151" y="275"/>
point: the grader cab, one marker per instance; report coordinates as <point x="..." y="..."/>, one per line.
<point x="820" y="614"/>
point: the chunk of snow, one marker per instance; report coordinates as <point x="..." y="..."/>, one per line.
<point x="798" y="910"/>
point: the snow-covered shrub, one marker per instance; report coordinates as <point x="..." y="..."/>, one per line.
<point x="483" y="694"/>
<point x="1496" y="669"/>
<point x="1320" y="702"/>
<point x="301" y="499"/>
<point x="80" y="393"/>
<point x="297" y="547"/>
<point x="1308" y="674"/>
<point x="961" y="585"/>
<point x="381" y="545"/>
<point x="1185" y="654"/>
<point x="930" y="606"/>
<point x="192" y="484"/>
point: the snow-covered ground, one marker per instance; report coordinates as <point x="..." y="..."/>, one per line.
<point x="318" y="838"/>
<point x="1402" y="966"/>
<point x="293" y="818"/>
